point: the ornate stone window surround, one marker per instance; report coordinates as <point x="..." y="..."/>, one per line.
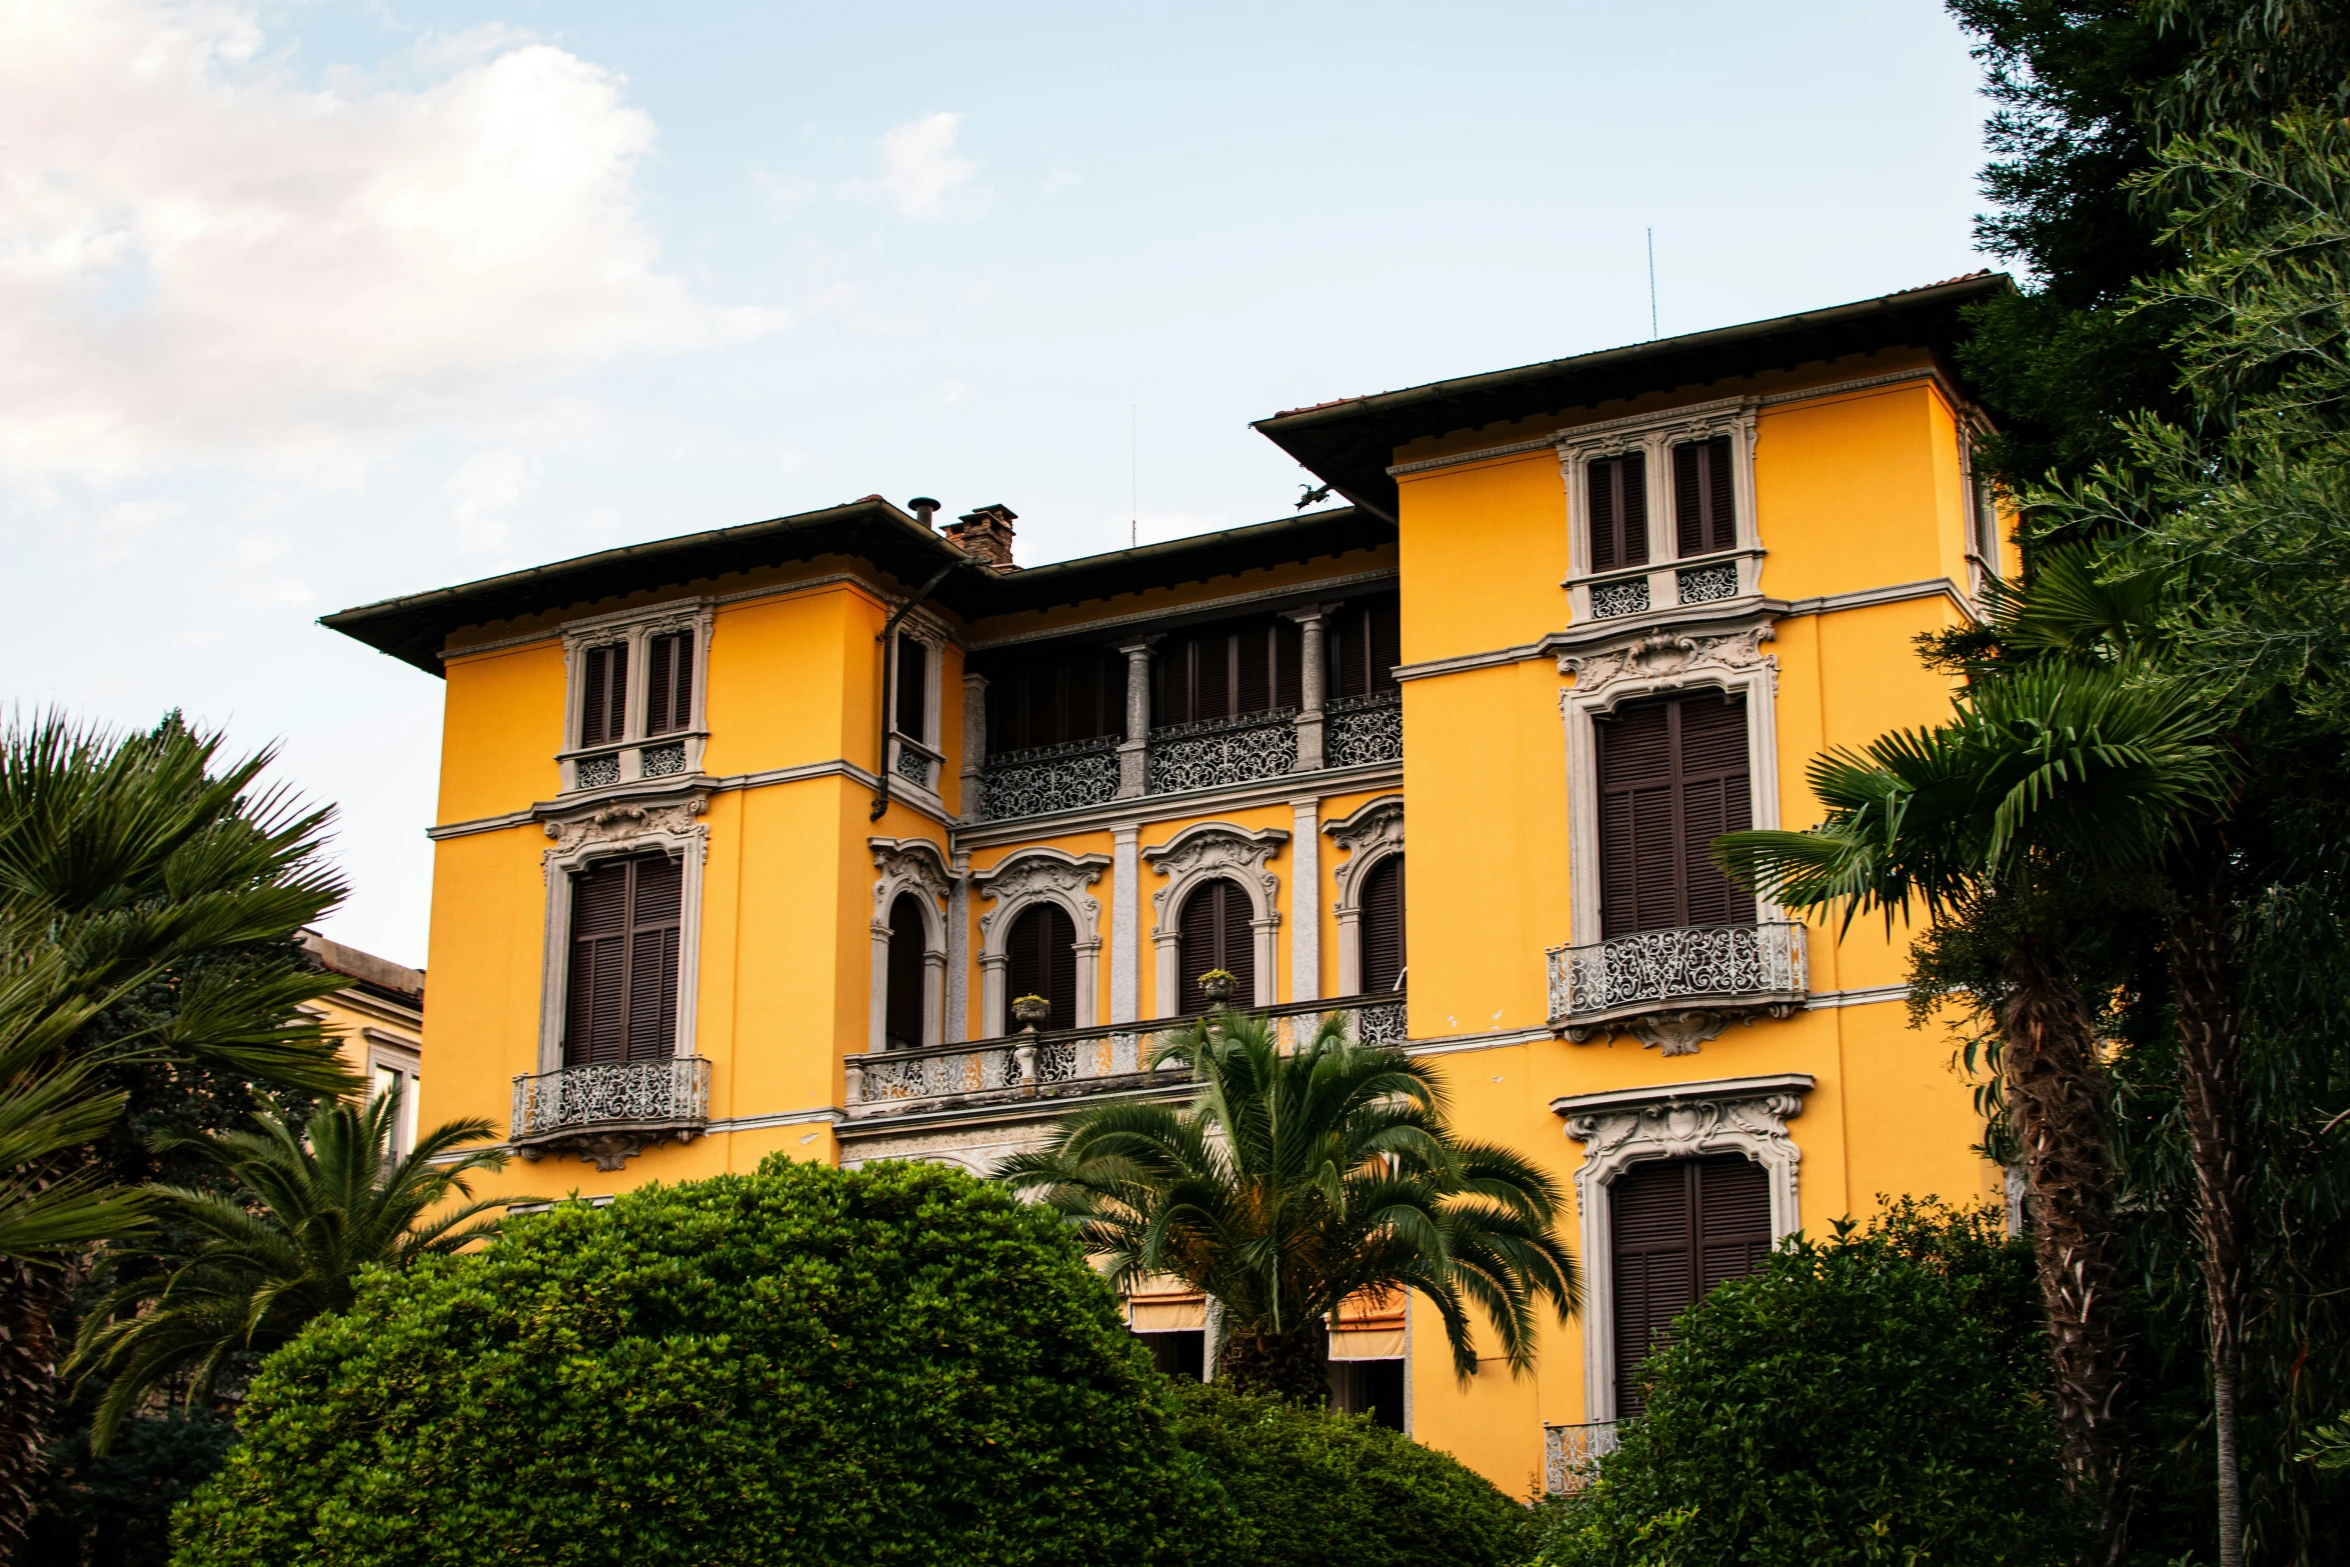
<point x="1744" y="1115"/>
<point x="1037" y="876"/>
<point x="917" y="866"/>
<point x="1657" y="663"/>
<point x="1978" y="504"/>
<point x="636" y="628"/>
<point x="1203" y="852"/>
<point x="1656" y="435"/>
<point x="922" y="754"/>
<point x="1371" y="834"/>
<point x="611" y="830"/>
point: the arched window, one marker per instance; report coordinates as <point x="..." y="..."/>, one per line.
<point x="1042" y="961"/>
<point x="1381" y="929"/>
<point x="908" y="936"/>
<point x="1216" y="935"/>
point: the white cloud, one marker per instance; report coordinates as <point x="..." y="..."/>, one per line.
<point x="1060" y="180"/>
<point x="920" y="167"/>
<point x="201" y="255"/>
<point x="484" y="490"/>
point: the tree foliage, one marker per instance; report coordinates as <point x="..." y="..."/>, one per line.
<point x="1319" y="1489"/>
<point x="1879" y="1398"/>
<point x="893" y="1365"/>
<point x="1297" y="1179"/>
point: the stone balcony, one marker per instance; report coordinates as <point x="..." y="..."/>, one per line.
<point x="1072" y="1063"/>
<point x="1186" y="758"/>
<point x="611" y="1111"/>
<point x="1569" y="1451"/>
<point x="1677" y="988"/>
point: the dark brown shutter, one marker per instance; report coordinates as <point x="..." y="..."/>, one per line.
<point x="1383" y="625"/>
<point x="1618" y="488"/>
<point x="669" y="671"/>
<point x="1673" y="777"/>
<point x="1705" y="514"/>
<point x="1678" y="1227"/>
<point x="1211" y="692"/>
<point x="913" y="686"/>
<point x="627" y="918"/>
<point x="1171" y="673"/>
<point x="603" y="706"/>
<point x="1289" y="652"/>
<point x="1349" y="652"/>
<point x="908" y="935"/>
<point x="1381" y="928"/>
<point x="1216" y="934"/>
<point x="1252" y="670"/>
<point x="1042" y="949"/>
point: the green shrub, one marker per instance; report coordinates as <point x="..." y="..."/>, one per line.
<point x="1873" y="1400"/>
<point x="897" y="1365"/>
<point x="1314" y="1488"/>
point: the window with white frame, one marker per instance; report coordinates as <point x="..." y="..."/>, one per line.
<point x="394" y="1073"/>
<point x="1661" y="510"/>
<point x="914" y="709"/>
<point x="634" y="707"/>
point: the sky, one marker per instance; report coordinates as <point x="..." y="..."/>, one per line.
<point x="304" y="305"/>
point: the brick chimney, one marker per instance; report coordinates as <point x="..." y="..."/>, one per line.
<point x="986" y="534"/>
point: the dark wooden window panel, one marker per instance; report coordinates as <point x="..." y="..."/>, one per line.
<point x="1678" y="1227"/>
<point x="1364" y="644"/>
<point x="1705" y="512"/>
<point x="627" y="919"/>
<point x="1617" y="488"/>
<point x="1381" y="927"/>
<point x="1055" y="700"/>
<point x="1216" y="933"/>
<point x="669" y="681"/>
<point x="913" y="695"/>
<point x="1673" y="776"/>
<point x="902" y="1009"/>
<point x="1041" y="949"/>
<point x="603" y="694"/>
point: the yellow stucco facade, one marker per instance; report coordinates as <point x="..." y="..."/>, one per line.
<point x="845" y="952"/>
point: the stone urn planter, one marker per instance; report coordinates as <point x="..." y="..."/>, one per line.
<point x="1217" y="985"/>
<point x="1029" y="1011"/>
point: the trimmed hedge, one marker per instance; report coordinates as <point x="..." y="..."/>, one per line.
<point x="895" y="1365"/>
<point x="1876" y="1400"/>
<point x="1329" y="1490"/>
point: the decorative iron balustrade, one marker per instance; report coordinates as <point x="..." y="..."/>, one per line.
<point x="1077" y="1061"/>
<point x="594" y="772"/>
<point x="1359" y="729"/>
<point x="662" y="761"/>
<point x="1696" y="964"/>
<point x="1048" y="778"/>
<point x="1706" y="584"/>
<point x="1627" y="597"/>
<point x="1569" y="1451"/>
<point x="1220" y="751"/>
<point x="667" y="1094"/>
<point x="914" y="762"/>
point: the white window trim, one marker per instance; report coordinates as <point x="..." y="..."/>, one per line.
<point x="1979" y="505"/>
<point x="1746" y="1115"/>
<point x="636" y="628"/>
<point x="919" y="867"/>
<point x="1372" y="834"/>
<point x="1029" y="877"/>
<point x="1209" y="851"/>
<point x="1655" y="435"/>
<point x="928" y="746"/>
<point x="1658" y="663"/>
<point x="390" y="1053"/>
<point x="615" y="830"/>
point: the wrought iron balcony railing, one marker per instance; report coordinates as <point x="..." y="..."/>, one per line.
<point x="1360" y="729"/>
<point x="1569" y="1451"/>
<point x="1048" y="778"/>
<point x="1219" y="751"/>
<point x="609" y="1111"/>
<point x="1707" y="968"/>
<point x="1075" y="1061"/>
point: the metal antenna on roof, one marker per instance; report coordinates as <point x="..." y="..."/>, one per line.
<point x="1652" y="285"/>
<point x="1133" y="480"/>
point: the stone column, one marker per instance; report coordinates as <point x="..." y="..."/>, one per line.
<point x="974" y="743"/>
<point x="1134" y="751"/>
<point x="1310" y="686"/>
<point x="1125" y="923"/>
<point x="958" y="1019"/>
<point x="1305" y="900"/>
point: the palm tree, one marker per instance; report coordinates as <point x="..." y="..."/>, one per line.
<point x="2029" y="821"/>
<point x="333" y="1203"/>
<point x="1298" y="1179"/>
<point x="128" y="863"/>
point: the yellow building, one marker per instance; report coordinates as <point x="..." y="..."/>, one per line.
<point x="378" y="1021"/>
<point x="748" y="839"/>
